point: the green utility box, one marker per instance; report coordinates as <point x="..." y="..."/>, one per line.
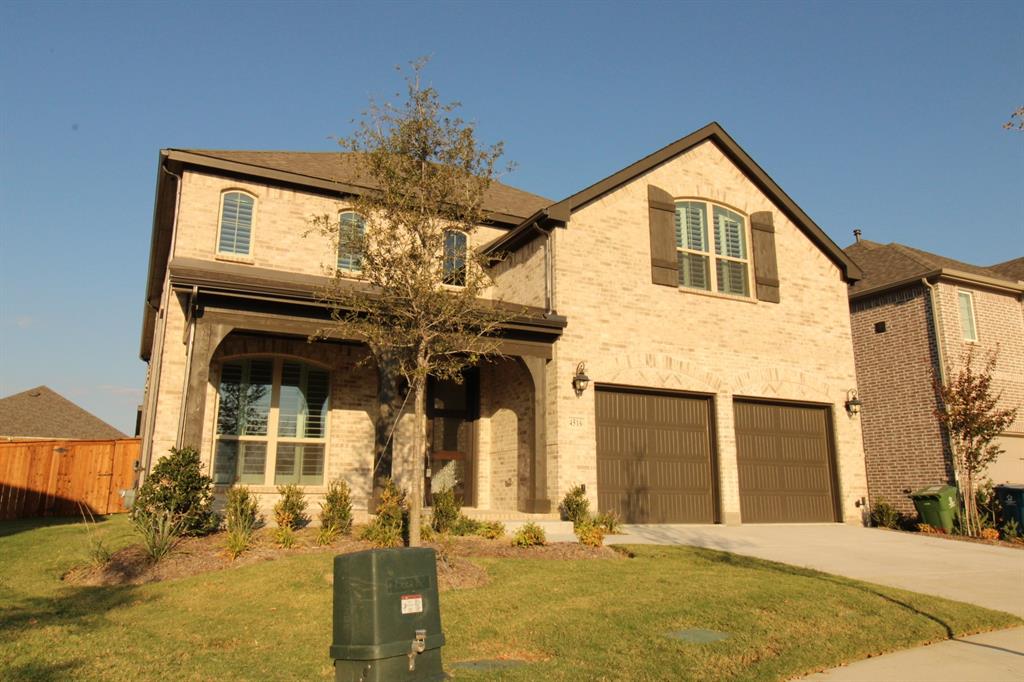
<point x="1011" y="500"/>
<point x="387" y="620"/>
<point x="936" y="505"/>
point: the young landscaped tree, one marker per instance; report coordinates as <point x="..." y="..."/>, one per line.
<point x="408" y="283"/>
<point x="973" y="421"/>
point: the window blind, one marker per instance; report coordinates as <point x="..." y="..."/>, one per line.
<point x="236" y="223"/>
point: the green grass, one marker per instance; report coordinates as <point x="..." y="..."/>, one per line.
<point x="575" y="619"/>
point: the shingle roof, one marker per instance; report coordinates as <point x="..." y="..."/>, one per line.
<point x="343" y="167"/>
<point x="42" y="413"/>
<point x="890" y="264"/>
<point x="1013" y="269"/>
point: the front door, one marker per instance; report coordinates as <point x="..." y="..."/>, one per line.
<point x="452" y="411"/>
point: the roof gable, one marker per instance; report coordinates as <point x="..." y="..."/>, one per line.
<point x="43" y="413"/>
<point x="715" y="134"/>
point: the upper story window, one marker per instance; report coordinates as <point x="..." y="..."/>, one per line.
<point x="236" y="211"/>
<point x="351" y="231"/>
<point x="271" y="422"/>
<point x="455" y="245"/>
<point x="967" y="326"/>
<point x="713" y="260"/>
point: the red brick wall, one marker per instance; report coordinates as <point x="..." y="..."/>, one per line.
<point x="904" y="446"/>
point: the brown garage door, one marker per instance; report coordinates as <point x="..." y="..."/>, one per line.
<point x="654" y="461"/>
<point x="785" y="458"/>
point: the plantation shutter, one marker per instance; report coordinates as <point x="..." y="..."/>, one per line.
<point x="766" y="269"/>
<point x="662" y="214"/>
<point x="236" y="224"/>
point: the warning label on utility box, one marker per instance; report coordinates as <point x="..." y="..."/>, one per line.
<point x="412" y="603"/>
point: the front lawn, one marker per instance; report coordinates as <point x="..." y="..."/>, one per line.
<point x="572" y="619"/>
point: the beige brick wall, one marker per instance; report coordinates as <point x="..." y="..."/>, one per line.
<point x="506" y="416"/>
<point x="630" y="331"/>
<point x="520" y="277"/>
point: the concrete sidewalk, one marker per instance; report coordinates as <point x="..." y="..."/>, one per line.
<point x="980" y="574"/>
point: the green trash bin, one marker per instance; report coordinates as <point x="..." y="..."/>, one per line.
<point x="1011" y="501"/>
<point x="936" y="505"/>
<point x="387" y="620"/>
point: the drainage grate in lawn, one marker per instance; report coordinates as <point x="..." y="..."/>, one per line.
<point x="699" y="636"/>
<point x="492" y="664"/>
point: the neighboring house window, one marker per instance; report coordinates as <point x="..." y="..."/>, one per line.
<point x="351" y="230"/>
<point x="715" y="259"/>
<point x="236" y="209"/>
<point x="455" y="258"/>
<point x="272" y="415"/>
<point x="967" y="325"/>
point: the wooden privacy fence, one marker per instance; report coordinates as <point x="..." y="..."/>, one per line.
<point x="51" y="478"/>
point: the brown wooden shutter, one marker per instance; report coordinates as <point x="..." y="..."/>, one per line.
<point x="766" y="268"/>
<point x="662" y="211"/>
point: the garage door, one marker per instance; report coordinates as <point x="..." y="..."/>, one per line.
<point x="654" y="461"/>
<point x="785" y="458"/>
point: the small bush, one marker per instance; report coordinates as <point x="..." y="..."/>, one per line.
<point x="96" y="543"/>
<point x="241" y="518"/>
<point x="610" y="522"/>
<point x="326" y="535"/>
<point x="336" y="509"/>
<point x="575" y="506"/>
<point x="285" y="536"/>
<point x="884" y="515"/>
<point x="177" y="485"/>
<point x="989" y="534"/>
<point x="290" y="510"/>
<point x="388" y="528"/>
<point x="987" y="504"/>
<point x="159" y="530"/>
<point x="492" y="530"/>
<point x="590" y="534"/>
<point x="1011" y="531"/>
<point x="466" y="526"/>
<point x="428" y="534"/>
<point x="530" y="535"/>
<point x="446" y="511"/>
<point x="445" y="549"/>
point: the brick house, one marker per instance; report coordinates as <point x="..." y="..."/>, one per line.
<point x="707" y="310"/>
<point x="915" y="314"/>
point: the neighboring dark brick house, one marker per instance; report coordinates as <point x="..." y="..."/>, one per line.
<point x="912" y="314"/>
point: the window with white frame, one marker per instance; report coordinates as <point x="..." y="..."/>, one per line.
<point x="967" y="325"/>
<point x="351" y="232"/>
<point x="271" y="422"/>
<point x="715" y="259"/>
<point x="455" y="245"/>
<point x="236" y="212"/>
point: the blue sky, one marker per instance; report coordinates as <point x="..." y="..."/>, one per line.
<point x="883" y="116"/>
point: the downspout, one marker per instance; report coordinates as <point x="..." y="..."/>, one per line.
<point x="548" y="275"/>
<point x="157" y="356"/>
<point x="937" y="318"/>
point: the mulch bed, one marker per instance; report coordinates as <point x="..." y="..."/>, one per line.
<point x="194" y="556"/>
<point x="1012" y="544"/>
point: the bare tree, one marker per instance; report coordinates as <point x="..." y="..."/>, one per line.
<point x="412" y="286"/>
<point x="972" y="419"/>
<point x="1016" y="121"/>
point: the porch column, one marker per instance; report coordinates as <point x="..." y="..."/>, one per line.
<point x="206" y="339"/>
<point x="538" y="502"/>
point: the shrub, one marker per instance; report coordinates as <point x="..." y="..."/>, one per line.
<point x="466" y="526"/>
<point x="326" y="535"/>
<point x="336" y="509"/>
<point x="575" y="507"/>
<point x="290" y="510"/>
<point x="284" y="536"/>
<point x="590" y="534"/>
<point x="1011" y="531"/>
<point x="530" y="535"/>
<point x="989" y="534"/>
<point x="388" y="528"/>
<point x="884" y="515"/>
<point x="446" y="511"/>
<point x="610" y="522"/>
<point x="492" y="530"/>
<point x="96" y="543"/>
<point x="160" y="531"/>
<point x="178" y="486"/>
<point x="987" y="505"/>
<point x="241" y="518"/>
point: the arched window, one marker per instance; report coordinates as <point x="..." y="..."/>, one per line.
<point x="715" y="260"/>
<point x="271" y="417"/>
<point x="351" y="231"/>
<point x="455" y="258"/>
<point x="236" y="211"/>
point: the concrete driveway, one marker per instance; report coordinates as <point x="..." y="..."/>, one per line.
<point x="978" y="574"/>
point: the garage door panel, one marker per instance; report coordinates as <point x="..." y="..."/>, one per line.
<point x="654" y="457"/>
<point x="785" y="463"/>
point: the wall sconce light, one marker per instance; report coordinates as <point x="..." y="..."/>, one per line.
<point x="580" y="381"/>
<point x="853" y="403"/>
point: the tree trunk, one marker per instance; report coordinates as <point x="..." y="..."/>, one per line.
<point x="418" y="450"/>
